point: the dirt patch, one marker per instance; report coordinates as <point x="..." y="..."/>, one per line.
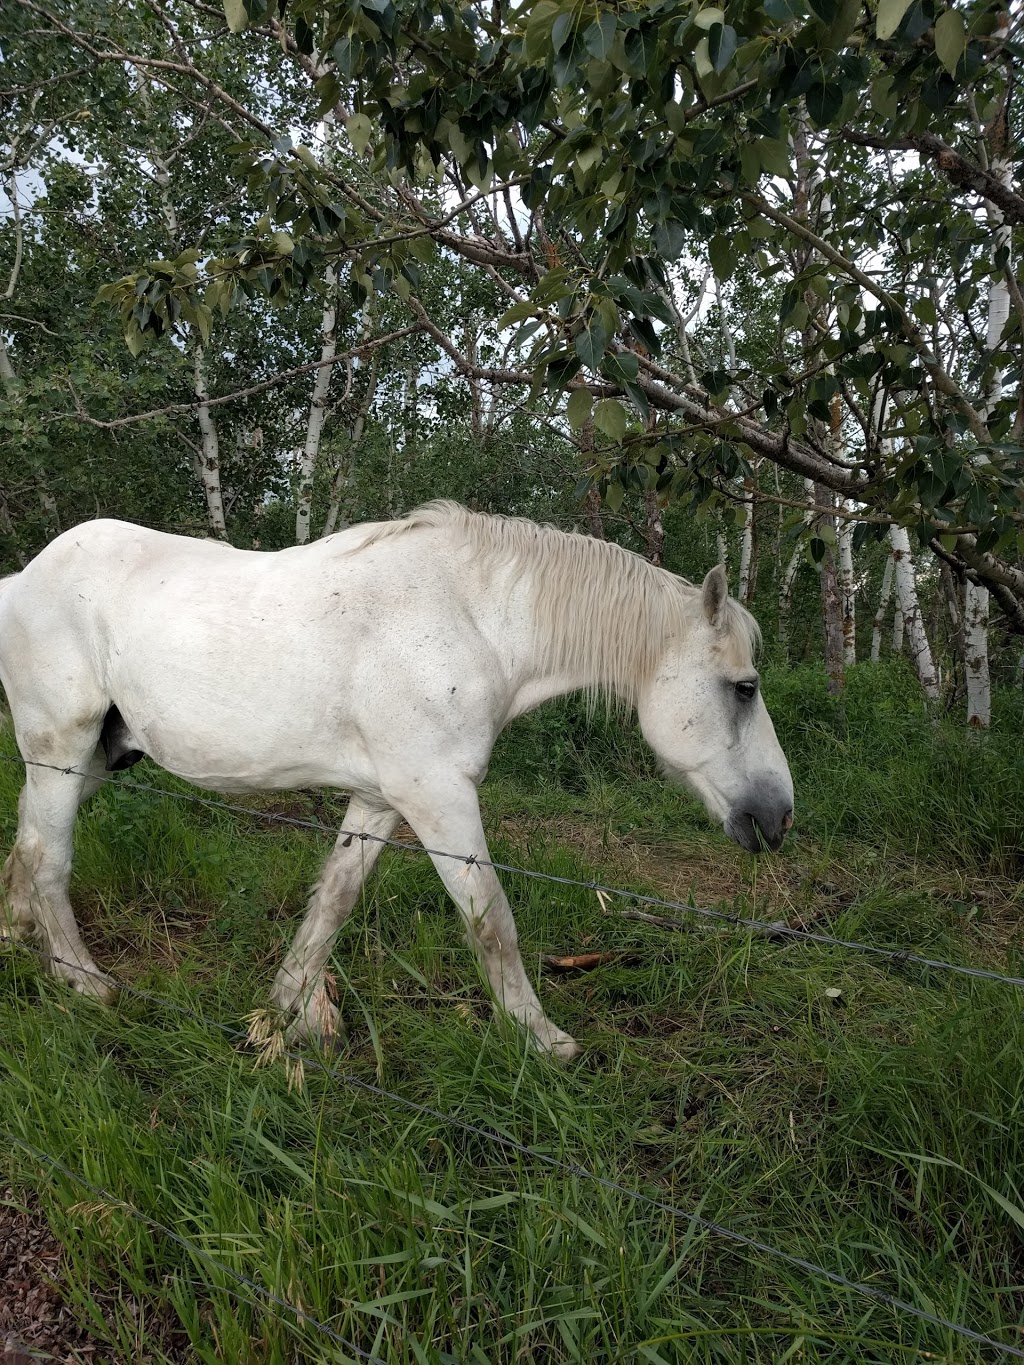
<point x="36" y="1322"/>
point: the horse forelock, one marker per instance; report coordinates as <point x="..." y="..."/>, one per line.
<point x="602" y="611"/>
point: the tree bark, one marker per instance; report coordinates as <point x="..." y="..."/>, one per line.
<point x="317" y="410"/>
<point x="208" y="461"/>
<point x="745" y="587"/>
<point x="654" y="529"/>
<point x="883" y="603"/>
<point x="976" y="603"/>
<point x="910" y="611"/>
<point x="847" y="590"/>
<point x="831" y="601"/>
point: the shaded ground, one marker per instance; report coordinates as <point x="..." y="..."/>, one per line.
<point x="35" y="1323"/>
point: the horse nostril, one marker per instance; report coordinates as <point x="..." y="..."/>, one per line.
<point x="787" y="822"/>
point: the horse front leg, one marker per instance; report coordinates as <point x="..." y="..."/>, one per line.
<point x="453" y="824"/>
<point x="299" y="988"/>
<point x="37" y="873"/>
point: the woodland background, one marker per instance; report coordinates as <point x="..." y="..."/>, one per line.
<point x="732" y="286"/>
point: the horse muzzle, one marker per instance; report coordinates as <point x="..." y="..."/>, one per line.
<point x="762" y="819"/>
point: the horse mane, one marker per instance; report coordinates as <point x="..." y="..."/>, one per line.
<point x="602" y="611"/>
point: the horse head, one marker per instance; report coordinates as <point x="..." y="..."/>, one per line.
<point x="703" y="714"/>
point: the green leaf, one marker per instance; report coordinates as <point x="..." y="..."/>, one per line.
<point x="702" y="59"/>
<point x="591" y="342"/>
<point x="722" y="256"/>
<point x="561" y="28"/>
<point x="610" y="417"/>
<point x="359" y="128"/>
<point x="708" y="18"/>
<point x="883" y="97"/>
<point x="950" y="39"/>
<point x="237" y="16"/>
<point x="615" y="492"/>
<point x="890" y="16"/>
<point x="328" y="88"/>
<point x="622" y="366"/>
<point x="924" y="311"/>
<point x="721" y="45"/>
<point x="669" y="239"/>
<point x="578" y="408"/>
<point x="750" y="163"/>
<point x="516" y="313"/>
<point x="774" y="157"/>
<point x="824" y="100"/>
<point x="640" y="48"/>
<point x="600" y="36"/>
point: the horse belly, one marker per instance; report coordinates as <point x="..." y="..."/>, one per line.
<point x="245" y="713"/>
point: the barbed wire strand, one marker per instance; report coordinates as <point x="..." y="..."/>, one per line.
<point x="138" y="1216"/>
<point x="903" y="957"/>
<point x="574" y="1169"/>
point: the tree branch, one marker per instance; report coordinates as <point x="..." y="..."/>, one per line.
<point x="364" y="348"/>
<point x="967" y="175"/>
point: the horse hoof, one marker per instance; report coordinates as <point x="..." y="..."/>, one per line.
<point x="326" y="1033"/>
<point x="561" y="1046"/>
<point x="97" y="985"/>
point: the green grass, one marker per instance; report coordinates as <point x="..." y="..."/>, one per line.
<point x="879" y="1135"/>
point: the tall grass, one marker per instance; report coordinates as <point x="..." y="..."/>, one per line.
<point x="877" y="1132"/>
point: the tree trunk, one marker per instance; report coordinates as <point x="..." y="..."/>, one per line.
<point x="883" y="603"/>
<point x="786" y="596"/>
<point x="847" y="591"/>
<point x="831" y="602"/>
<point x="317" y="411"/>
<point x="897" y="631"/>
<point x="979" y="686"/>
<point x="208" y="461"/>
<point x="910" y="611"/>
<point x="958" y="650"/>
<point x="335" y="521"/>
<point x="745" y="586"/>
<point x="654" y="529"/>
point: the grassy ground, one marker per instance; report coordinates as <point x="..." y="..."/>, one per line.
<point x="878" y="1132"/>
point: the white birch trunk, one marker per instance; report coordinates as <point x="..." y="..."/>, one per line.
<point x="339" y="483"/>
<point x="883" y="604"/>
<point x="746" y="543"/>
<point x="209" y="458"/>
<point x="847" y="588"/>
<point x="317" y="410"/>
<point x="910" y="611"/>
<point x="897" y="631"/>
<point x="979" y="686"/>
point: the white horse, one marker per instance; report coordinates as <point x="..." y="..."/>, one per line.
<point x="383" y="660"/>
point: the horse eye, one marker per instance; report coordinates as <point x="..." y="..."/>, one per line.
<point x="747" y="690"/>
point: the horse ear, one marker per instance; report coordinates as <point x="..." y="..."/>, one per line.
<point x="716" y="594"/>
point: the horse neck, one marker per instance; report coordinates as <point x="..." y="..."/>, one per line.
<point x="594" y="618"/>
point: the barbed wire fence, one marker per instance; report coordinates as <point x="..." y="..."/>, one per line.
<point x="309" y="1060"/>
<point x="768" y="928"/>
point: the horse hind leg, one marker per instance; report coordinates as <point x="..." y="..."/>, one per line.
<point x="16" y="918"/>
<point x="37" y="873"/>
<point x="300" y="988"/>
